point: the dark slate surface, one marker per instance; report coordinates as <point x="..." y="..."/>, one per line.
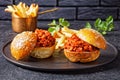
<point x="3" y="14"/>
<point x="95" y="12"/>
<point x="78" y="2"/>
<point x="40" y="2"/>
<point x="9" y="71"/>
<point x="119" y="13"/>
<point x="110" y="2"/>
<point x="68" y="9"/>
<point x="6" y="2"/>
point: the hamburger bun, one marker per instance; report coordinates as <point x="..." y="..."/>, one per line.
<point x="82" y="56"/>
<point x="22" y="44"/>
<point x="42" y="52"/>
<point x="93" y="38"/>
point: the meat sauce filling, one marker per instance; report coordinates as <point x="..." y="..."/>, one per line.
<point x="44" y="38"/>
<point x="75" y="44"/>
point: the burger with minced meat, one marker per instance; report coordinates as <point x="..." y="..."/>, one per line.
<point x="38" y="44"/>
<point x="84" y="46"/>
<point x="45" y="45"/>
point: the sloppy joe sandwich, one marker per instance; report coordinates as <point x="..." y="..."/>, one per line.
<point x="45" y="44"/>
<point x="84" y="46"/>
<point x="38" y="44"/>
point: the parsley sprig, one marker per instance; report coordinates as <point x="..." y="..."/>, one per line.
<point x="56" y="26"/>
<point x="102" y="26"/>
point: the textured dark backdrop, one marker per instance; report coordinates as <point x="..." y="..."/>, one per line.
<point x="78" y="12"/>
<point x="70" y="9"/>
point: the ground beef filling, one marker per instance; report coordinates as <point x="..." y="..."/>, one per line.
<point x="75" y="44"/>
<point x="44" y="38"/>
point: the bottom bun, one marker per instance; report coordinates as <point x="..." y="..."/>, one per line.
<point x="43" y="52"/>
<point x="82" y="56"/>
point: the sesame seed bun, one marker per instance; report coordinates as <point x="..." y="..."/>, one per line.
<point x="22" y="44"/>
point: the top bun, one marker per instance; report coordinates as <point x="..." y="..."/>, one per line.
<point x="92" y="37"/>
<point x="22" y="44"/>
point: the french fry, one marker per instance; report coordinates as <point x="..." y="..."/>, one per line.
<point x="17" y="10"/>
<point x="25" y="11"/>
<point x="62" y="35"/>
<point x="68" y="32"/>
<point x="22" y="10"/>
<point x="71" y="31"/>
<point x="60" y="41"/>
<point x="15" y="14"/>
<point x="30" y="11"/>
<point x="25" y="7"/>
<point x="36" y="10"/>
<point x="10" y="9"/>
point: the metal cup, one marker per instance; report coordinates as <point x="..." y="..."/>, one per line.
<point x="23" y="24"/>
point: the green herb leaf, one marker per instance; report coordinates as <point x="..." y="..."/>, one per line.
<point x="104" y="32"/>
<point x="97" y="23"/>
<point x="51" y="29"/>
<point x="65" y="23"/>
<point x="53" y="23"/>
<point x="56" y="27"/>
<point x="111" y="26"/>
<point x="61" y="20"/>
<point x="103" y="26"/>
<point x="109" y="20"/>
<point x="88" y="25"/>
